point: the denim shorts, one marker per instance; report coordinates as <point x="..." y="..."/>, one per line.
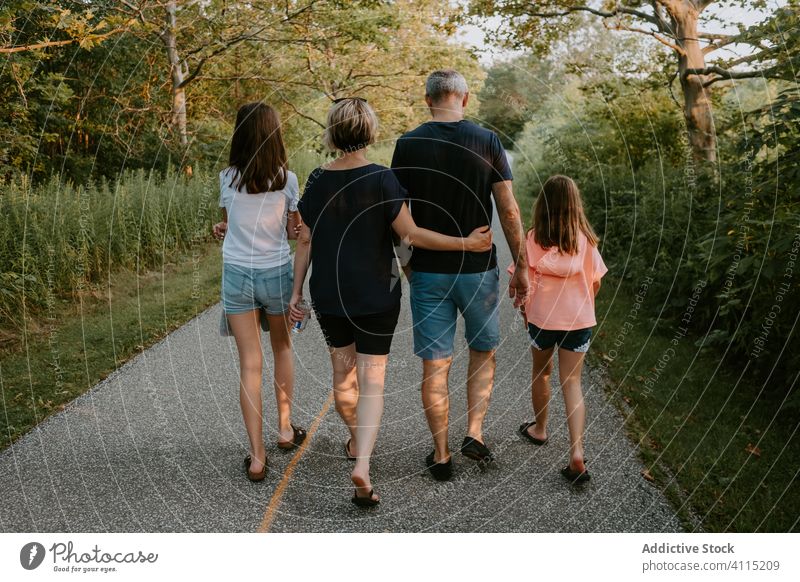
<point x="245" y="289"/>
<point x="436" y="300"/>
<point x="576" y="340"/>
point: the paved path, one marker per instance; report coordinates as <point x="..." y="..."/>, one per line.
<point x="158" y="446"/>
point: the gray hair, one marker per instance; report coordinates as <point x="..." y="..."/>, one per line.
<point x="443" y="83"/>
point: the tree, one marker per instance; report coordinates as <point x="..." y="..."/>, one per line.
<point x="676" y="25"/>
<point x="196" y="33"/>
<point x="56" y="24"/>
<point x="513" y="91"/>
<point x="78" y="105"/>
<point x="382" y="51"/>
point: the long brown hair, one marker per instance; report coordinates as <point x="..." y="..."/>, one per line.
<point x="558" y="216"/>
<point x="257" y="149"/>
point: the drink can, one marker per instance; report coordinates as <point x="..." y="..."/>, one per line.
<point x="299" y="326"/>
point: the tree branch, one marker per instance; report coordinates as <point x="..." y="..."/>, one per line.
<point x="652" y="33"/>
<point x="724" y="74"/>
<point x="297" y="111"/>
<point x="602" y="13"/>
<point x="719" y="44"/>
<point x="225" y="45"/>
<point x="54" y="43"/>
<point x="661" y="23"/>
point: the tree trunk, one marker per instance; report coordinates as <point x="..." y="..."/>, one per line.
<point x="178" y="116"/>
<point x="696" y="99"/>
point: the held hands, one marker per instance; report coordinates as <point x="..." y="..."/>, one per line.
<point x="219" y="230"/>
<point x="296" y="314"/>
<point x="479" y="240"/>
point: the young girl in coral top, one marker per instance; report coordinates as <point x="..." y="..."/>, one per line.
<point x="565" y="272"/>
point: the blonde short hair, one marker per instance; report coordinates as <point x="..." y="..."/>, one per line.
<point x="351" y="125"/>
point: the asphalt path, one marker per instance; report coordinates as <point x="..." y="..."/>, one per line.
<point x="158" y="447"/>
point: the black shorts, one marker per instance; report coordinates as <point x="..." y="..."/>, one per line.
<point x="372" y="334"/>
<point x="576" y="340"/>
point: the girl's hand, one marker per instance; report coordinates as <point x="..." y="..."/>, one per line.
<point x="479" y="240"/>
<point x="219" y="230"/>
<point x="296" y="314"/>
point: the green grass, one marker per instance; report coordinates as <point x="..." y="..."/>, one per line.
<point x="722" y="444"/>
<point x="58" y="239"/>
<point x="57" y="359"/>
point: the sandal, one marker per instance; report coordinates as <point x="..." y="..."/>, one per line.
<point x="255" y="476"/>
<point x="367" y="501"/>
<point x="523" y="430"/>
<point x="476" y="450"/>
<point x="299" y="437"/>
<point x="347" y="450"/>
<point x="440" y="471"/>
<point x="575" y="476"/>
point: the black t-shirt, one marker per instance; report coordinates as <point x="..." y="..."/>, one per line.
<point x="350" y="213"/>
<point x="448" y="169"/>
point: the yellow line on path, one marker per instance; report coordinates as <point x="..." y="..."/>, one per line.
<point x="274" y="503"/>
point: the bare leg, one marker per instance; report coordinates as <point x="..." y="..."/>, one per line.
<point x="436" y="400"/>
<point x="371" y="371"/>
<point x="480" y="380"/>
<point x="246" y="332"/>
<point x="345" y="387"/>
<point x="280" y="338"/>
<point x="570" y="365"/>
<point x="540" y="390"/>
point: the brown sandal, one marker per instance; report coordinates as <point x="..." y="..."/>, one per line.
<point x="255" y="476"/>
<point x="299" y="437"/>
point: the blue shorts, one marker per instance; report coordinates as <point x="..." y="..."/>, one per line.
<point x="576" y="340"/>
<point x="245" y="289"/>
<point x="436" y="299"/>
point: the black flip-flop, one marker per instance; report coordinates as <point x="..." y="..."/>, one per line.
<point x="299" y="437"/>
<point x="575" y="476"/>
<point x="347" y="450"/>
<point x="367" y="501"/>
<point x="523" y="430"/>
<point x="476" y="450"/>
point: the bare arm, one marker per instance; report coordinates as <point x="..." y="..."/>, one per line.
<point x="293" y="223"/>
<point x="596" y="287"/>
<point x="479" y="240"/>
<point x="511" y="221"/>
<point x="302" y="259"/>
<point x="221" y="228"/>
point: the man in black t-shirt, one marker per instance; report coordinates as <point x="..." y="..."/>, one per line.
<point x="452" y="168"/>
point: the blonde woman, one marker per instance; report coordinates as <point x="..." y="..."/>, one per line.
<point x="350" y="209"/>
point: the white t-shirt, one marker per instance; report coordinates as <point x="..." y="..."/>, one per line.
<point x="256" y="234"/>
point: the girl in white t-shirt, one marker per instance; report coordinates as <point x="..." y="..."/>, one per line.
<point x="258" y="198"/>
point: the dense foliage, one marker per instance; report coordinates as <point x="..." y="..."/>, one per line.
<point x="720" y="241"/>
<point x="62" y="241"/>
<point x="90" y="89"/>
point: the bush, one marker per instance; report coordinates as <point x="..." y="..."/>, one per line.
<point x="659" y="214"/>
<point x="60" y="240"/>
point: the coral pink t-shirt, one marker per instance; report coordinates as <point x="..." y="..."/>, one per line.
<point x="562" y="286"/>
